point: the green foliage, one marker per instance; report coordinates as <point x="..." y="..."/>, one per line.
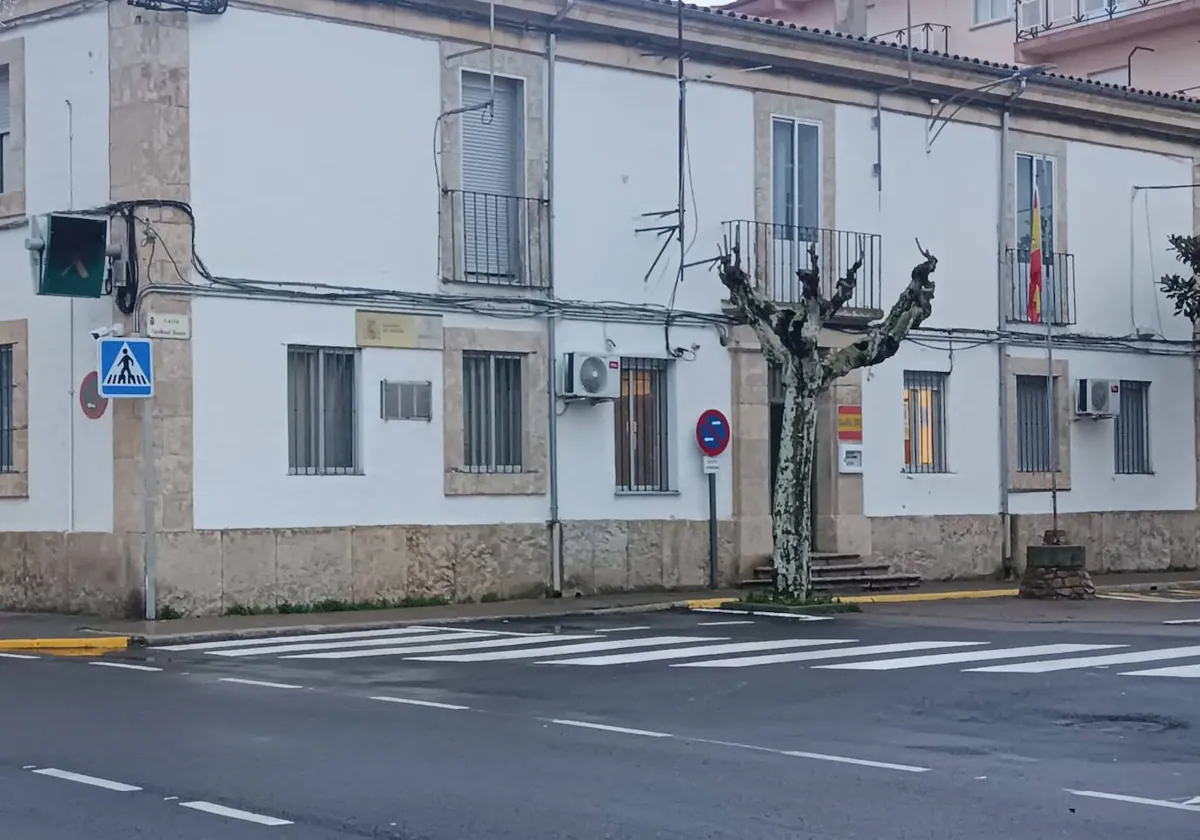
<point x="335" y="605"/>
<point x="1184" y="292"/>
<point x="168" y="613"/>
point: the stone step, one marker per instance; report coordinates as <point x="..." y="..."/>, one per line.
<point x="821" y="572"/>
<point x="866" y="582"/>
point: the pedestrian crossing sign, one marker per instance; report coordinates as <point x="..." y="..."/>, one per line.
<point x="126" y="368"/>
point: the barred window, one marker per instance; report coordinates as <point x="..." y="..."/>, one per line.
<point x="322" y="411"/>
<point x="925" y="421"/>
<point x="642" y="427"/>
<point x="493" y="426"/>
<point x="1033" y="425"/>
<point x="1131" y="430"/>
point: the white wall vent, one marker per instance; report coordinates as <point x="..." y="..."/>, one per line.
<point x="591" y="376"/>
<point x="406" y="400"/>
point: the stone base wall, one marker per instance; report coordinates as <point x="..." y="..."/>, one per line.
<point x="965" y="547"/>
<point x="209" y="572"/>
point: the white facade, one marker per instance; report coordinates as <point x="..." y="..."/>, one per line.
<point x="66" y="167"/>
<point x="328" y="175"/>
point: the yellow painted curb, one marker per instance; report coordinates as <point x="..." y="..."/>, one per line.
<point x="709" y="603"/>
<point x="906" y="597"/>
<point x="86" y="642"/>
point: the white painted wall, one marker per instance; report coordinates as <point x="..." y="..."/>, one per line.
<point x="65" y="60"/>
<point x="371" y="220"/>
<point x="1120" y="250"/>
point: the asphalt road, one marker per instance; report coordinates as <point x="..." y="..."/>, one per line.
<point x="408" y="746"/>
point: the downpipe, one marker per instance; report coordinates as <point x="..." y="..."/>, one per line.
<point x="1002" y="296"/>
<point x="554" y="524"/>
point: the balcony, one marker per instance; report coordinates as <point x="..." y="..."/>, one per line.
<point x="1058" y="288"/>
<point x="494" y="240"/>
<point x="1046" y="28"/>
<point x="934" y="37"/>
<point x="773" y="253"/>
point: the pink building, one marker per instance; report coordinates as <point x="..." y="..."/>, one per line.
<point x="1148" y="44"/>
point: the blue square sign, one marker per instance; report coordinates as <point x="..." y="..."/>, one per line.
<point x="126" y="368"/>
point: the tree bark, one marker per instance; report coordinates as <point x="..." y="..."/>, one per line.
<point x="790" y="517"/>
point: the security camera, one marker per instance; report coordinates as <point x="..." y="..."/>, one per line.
<point x="116" y="330"/>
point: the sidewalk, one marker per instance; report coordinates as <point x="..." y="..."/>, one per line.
<point x="185" y="630"/>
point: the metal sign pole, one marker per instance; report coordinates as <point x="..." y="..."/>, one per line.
<point x="150" y="529"/>
<point x="712" y="530"/>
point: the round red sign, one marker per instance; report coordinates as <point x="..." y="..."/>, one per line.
<point x="90" y="401"/>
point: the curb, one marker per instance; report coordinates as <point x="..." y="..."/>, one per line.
<point x="81" y="643"/>
<point x="912" y="597"/>
<point x="1160" y="586"/>
<point x="161" y="639"/>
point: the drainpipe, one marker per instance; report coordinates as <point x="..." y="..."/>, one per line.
<point x="1002" y="296"/>
<point x="555" y="525"/>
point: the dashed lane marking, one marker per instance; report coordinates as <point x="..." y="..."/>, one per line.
<point x="80" y="778"/>
<point x="234" y="813"/>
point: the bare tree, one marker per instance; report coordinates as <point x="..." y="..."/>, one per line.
<point x="789" y="338"/>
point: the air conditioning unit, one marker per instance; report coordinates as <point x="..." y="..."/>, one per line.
<point x="591" y="376"/>
<point x="1097" y="397"/>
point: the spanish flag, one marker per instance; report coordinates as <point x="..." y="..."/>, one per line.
<point x="1034" y="304"/>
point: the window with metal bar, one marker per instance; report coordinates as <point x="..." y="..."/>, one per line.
<point x="925" y="421"/>
<point x="7" y="454"/>
<point x="322" y="411"/>
<point x="1033" y="425"/>
<point x="1131" y="431"/>
<point x="493" y="423"/>
<point x="642" y="427"/>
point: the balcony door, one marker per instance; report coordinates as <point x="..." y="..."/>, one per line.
<point x="491" y="177"/>
<point x="795" y="203"/>
<point x="1037" y="169"/>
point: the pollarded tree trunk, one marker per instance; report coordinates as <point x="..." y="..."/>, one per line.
<point x="789" y="336"/>
<point x="791" y="520"/>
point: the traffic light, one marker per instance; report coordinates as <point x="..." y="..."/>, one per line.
<point x="68" y="254"/>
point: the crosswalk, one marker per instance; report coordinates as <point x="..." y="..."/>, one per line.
<point x="613" y="647"/>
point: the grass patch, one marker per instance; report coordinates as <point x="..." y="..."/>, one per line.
<point x="815" y="602"/>
<point x="329" y="605"/>
<point x="168" y="613"/>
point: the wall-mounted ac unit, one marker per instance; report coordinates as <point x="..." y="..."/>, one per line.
<point x="1097" y="398"/>
<point x="591" y="376"/>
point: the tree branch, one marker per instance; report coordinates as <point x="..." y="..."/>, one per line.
<point x="763" y="316"/>
<point x="810" y="278"/>
<point x="883" y="339"/>
<point x="845" y="288"/>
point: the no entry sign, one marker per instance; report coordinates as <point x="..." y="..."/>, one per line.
<point x="712" y="432"/>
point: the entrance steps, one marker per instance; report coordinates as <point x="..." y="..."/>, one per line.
<point x="841" y="573"/>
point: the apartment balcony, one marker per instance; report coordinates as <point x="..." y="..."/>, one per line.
<point x="1046" y="28"/>
<point x="1058" y="288"/>
<point x="934" y="37"/>
<point x="495" y="240"/>
<point x="772" y="254"/>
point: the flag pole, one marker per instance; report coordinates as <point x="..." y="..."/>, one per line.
<point x="1052" y="421"/>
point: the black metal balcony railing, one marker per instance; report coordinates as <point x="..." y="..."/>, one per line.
<point x="1058" y="288"/>
<point x="1040" y="17"/>
<point x="772" y="254"/>
<point x="934" y="37"/>
<point x="495" y="239"/>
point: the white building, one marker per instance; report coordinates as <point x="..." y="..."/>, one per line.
<point x="361" y="408"/>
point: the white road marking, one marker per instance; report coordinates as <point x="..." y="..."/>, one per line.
<point x="260" y="650"/>
<point x="837" y="759"/>
<point x="1183" y="621"/>
<point x="623" y="629"/>
<point x="588" y="647"/>
<point x="16" y="656"/>
<point x="406" y="701"/>
<point x="1136" y="800"/>
<point x="94" y="781"/>
<point x="1193" y="801"/>
<point x="258" y="683"/>
<point x="694" y="652"/>
<point x="233" y="813"/>
<point x="808" y="655"/>
<point x="720" y="623"/>
<point x="126" y="665"/>
<point x="582" y="724"/>
<point x="962" y="656"/>
<point x="1093" y="661"/>
<point x="797" y="616"/>
<point x="410" y="630"/>
<point x="405" y="651"/>
<point x="1181" y="671"/>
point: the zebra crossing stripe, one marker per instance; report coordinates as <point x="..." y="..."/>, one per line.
<point x="962" y="656"/>
<point x="838" y="653"/>
<point x="310" y="637"/>
<point x="1092" y="661"/>
<point x="260" y="650"/>
<point x="437" y="647"/>
<point x="1182" y="671"/>
<point x="587" y="647"/>
<point x="693" y="652"/>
